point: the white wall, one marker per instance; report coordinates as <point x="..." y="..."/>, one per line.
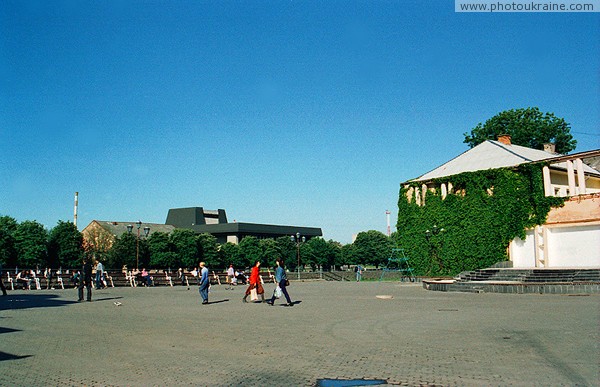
<point x="522" y="252"/>
<point x="574" y="246"/>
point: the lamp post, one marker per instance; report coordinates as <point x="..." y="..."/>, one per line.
<point x="137" y="241"/>
<point x="298" y="239"/>
<point x="433" y="247"/>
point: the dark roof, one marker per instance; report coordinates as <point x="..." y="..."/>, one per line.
<point x="120" y="228"/>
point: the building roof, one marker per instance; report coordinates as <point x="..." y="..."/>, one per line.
<point x="120" y="228"/>
<point x="491" y="155"/>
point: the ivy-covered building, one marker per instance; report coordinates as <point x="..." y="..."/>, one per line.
<point x="499" y="201"/>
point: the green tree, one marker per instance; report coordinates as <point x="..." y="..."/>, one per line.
<point x="527" y="127"/>
<point x="185" y="246"/>
<point x="372" y="247"/>
<point x="161" y="251"/>
<point x="31" y="244"/>
<point x="319" y="253"/>
<point x="65" y="246"/>
<point x="287" y="250"/>
<point x="229" y="254"/>
<point x="348" y="254"/>
<point x="250" y="251"/>
<point x="122" y="252"/>
<point x="207" y="245"/>
<point x="8" y="252"/>
<point x="270" y="252"/>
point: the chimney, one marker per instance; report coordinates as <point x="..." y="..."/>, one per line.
<point x="504" y="139"/>
<point x="550" y="147"/>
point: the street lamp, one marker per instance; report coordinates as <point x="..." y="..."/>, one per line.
<point x="434" y="247"/>
<point x="297" y="238"/>
<point x="137" y="242"/>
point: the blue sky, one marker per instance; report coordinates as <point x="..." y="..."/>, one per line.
<point x="305" y="113"/>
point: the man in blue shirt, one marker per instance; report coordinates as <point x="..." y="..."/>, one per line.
<point x="204" y="282"/>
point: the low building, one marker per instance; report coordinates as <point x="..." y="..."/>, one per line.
<point x="215" y="223"/>
<point x="103" y="233"/>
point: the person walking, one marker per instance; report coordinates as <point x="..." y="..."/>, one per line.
<point x="86" y="280"/>
<point x="99" y="275"/>
<point x="204" y="282"/>
<point x="255" y="283"/>
<point x="282" y="281"/>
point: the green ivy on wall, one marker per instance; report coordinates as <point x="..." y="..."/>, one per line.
<point x="486" y="211"/>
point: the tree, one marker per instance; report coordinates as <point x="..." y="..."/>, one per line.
<point x="270" y="252"/>
<point x="527" y="127"/>
<point x="319" y="253"/>
<point x="229" y="254"/>
<point x="31" y="244"/>
<point x="122" y="252"/>
<point x="8" y="252"/>
<point x="185" y="244"/>
<point x="287" y="250"/>
<point x="65" y="246"/>
<point x="161" y="251"/>
<point x="250" y="251"/>
<point x="372" y="247"/>
<point x="207" y="244"/>
<point x="98" y="242"/>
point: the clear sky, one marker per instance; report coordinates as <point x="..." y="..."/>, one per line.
<point x="307" y="113"/>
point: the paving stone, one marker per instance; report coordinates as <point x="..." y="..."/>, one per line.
<point x="338" y="330"/>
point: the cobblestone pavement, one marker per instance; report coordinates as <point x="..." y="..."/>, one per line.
<point x="337" y="330"/>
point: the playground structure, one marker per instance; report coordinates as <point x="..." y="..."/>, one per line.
<point x="398" y="262"/>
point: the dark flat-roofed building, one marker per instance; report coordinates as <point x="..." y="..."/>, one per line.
<point x="215" y="223"/>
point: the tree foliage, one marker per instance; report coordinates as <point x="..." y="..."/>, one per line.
<point x="372" y="248"/>
<point x="527" y="127"/>
<point x="8" y="252"/>
<point x="31" y="244"/>
<point x="65" y="246"/>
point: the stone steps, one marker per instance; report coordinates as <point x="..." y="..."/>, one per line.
<point x="507" y="280"/>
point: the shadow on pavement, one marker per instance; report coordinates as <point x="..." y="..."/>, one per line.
<point x="218" y="302"/>
<point x="8" y="330"/>
<point x="29" y="301"/>
<point x="107" y="299"/>
<point x="7" y="356"/>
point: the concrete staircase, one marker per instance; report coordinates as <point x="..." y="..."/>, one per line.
<point x="509" y="280"/>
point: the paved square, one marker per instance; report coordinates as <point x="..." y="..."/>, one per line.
<point x="163" y="336"/>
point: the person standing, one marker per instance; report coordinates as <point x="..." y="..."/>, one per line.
<point x="204" y="282"/>
<point x="85" y="280"/>
<point x="282" y="281"/>
<point x="358" y="269"/>
<point x="255" y="283"/>
<point x="99" y="274"/>
<point x="2" y="283"/>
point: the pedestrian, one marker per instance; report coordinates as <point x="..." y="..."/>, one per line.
<point x="49" y="276"/>
<point x="282" y="282"/>
<point x="85" y="280"/>
<point x="2" y="283"/>
<point x="255" y="283"/>
<point x="358" y="269"/>
<point x="99" y="274"/>
<point x="204" y="282"/>
<point x="231" y="280"/>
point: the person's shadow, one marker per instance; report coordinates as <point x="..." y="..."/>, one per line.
<point x="217" y="302"/>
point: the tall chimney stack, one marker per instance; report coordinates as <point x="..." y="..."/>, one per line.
<point x="75" y="210"/>
<point x="504" y="139"/>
